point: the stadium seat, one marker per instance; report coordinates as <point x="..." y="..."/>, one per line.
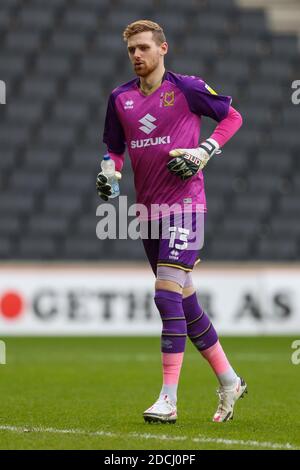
<point x="211" y="22"/>
<point x="271" y="249"/>
<point x="39" y="158"/>
<point x="265" y="183"/>
<point x="229" y="162"/>
<point x="185" y="8"/>
<point x="84" y="89"/>
<point x="80" y="19"/>
<point x="215" y="206"/>
<point x="70" y="112"/>
<point x="44" y="224"/>
<point x="62" y="203"/>
<point x="13" y="134"/>
<point x="251" y="21"/>
<point x="119" y="19"/>
<point x="5" y="19"/>
<point x="221" y="5"/>
<point x="24" y="110"/>
<point x="273" y="162"/>
<point x="201" y="45"/>
<point x="229" y="248"/>
<point x="8" y="159"/>
<point x="229" y="68"/>
<point x="285" y="45"/>
<point x="76" y="180"/>
<point x="290" y="116"/>
<point x="37" y="248"/>
<point x="273" y="69"/>
<point x="289" y="204"/>
<point x="86" y="225"/>
<point x="255" y="115"/>
<point x="188" y="65"/>
<point x="39" y="87"/>
<point x="296" y="183"/>
<point x="6" y="248"/>
<point x="129" y="249"/>
<point x="28" y="181"/>
<point x="91" y="66"/>
<point x="285" y="136"/>
<point x="23" y="41"/>
<point x="12" y="65"/>
<point x="268" y="94"/>
<point x="94" y="5"/>
<point x="68" y="42"/>
<point x="285" y="226"/>
<point x="18" y="203"/>
<point x="243" y="226"/>
<point x="251" y="47"/>
<point x="53" y="64"/>
<point x="83" y="249"/>
<point x="172" y="22"/>
<point x="37" y="18"/>
<point x="10" y="226"/>
<point x="86" y="158"/>
<point x="53" y="133"/>
<point x="252" y="204"/>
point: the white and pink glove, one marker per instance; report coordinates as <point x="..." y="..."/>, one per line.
<point x="188" y="162"/>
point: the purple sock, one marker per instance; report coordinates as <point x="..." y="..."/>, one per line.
<point x="199" y="327"/>
<point x="174" y="331"/>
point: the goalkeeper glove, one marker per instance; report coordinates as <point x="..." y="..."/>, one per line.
<point x="188" y="162"/>
<point x="102" y="186"/>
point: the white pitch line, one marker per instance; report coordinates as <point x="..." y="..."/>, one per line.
<point x="160" y="437"/>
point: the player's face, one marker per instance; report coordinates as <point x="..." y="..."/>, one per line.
<point x="145" y="55"/>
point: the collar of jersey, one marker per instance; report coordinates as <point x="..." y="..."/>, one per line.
<point x="138" y="84"/>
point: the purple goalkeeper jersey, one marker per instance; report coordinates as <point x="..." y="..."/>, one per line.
<point x="153" y="125"/>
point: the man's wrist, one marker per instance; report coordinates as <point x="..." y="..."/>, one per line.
<point x="210" y="146"/>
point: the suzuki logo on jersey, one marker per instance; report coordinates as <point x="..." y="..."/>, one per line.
<point x="135" y="144"/>
<point x="148" y="125"/>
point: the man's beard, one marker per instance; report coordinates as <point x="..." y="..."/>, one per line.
<point x="145" y="70"/>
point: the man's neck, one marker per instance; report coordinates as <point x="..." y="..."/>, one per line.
<point x="153" y="81"/>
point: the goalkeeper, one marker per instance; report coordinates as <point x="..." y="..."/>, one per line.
<point x="158" y="115"/>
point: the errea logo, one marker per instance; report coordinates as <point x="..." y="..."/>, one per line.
<point x="129" y="104"/>
<point x="148" y="125"/>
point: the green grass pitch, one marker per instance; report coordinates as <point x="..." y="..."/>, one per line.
<point x="89" y="393"/>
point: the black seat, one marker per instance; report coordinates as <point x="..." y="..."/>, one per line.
<point x="229" y="248"/>
<point x="62" y="203"/>
<point x="37" y="248"/>
<point x="277" y="249"/>
<point x="16" y="203"/>
<point x="47" y="224"/>
<point x="6" y="248"/>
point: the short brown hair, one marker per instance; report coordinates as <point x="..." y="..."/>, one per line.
<point x="145" y="25"/>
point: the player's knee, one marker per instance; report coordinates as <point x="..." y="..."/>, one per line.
<point x="169" y="278"/>
<point x="168" y="285"/>
<point x="188" y="291"/>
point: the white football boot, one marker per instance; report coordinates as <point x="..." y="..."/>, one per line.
<point x="163" y="411"/>
<point x="227" y="400"/>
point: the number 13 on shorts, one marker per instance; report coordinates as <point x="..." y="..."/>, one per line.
<point x="183" y="234"/>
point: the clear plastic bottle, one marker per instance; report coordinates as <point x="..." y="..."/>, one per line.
<point x="108" y="168"/>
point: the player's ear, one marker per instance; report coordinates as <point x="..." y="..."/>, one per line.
<point x="164" y="48"/>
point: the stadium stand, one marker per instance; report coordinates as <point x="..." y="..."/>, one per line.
<point x="61" y="59"/>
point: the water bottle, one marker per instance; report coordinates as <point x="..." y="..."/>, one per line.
<point x="108" y="168"/>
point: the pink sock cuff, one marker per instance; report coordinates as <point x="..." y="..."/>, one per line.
<point x="217" y="358"/>
<point x="172" y="363"/>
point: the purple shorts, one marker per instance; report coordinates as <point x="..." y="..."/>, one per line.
<point x="174" y="241"/>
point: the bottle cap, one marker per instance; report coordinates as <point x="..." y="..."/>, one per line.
<point x="106" y="157"/>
